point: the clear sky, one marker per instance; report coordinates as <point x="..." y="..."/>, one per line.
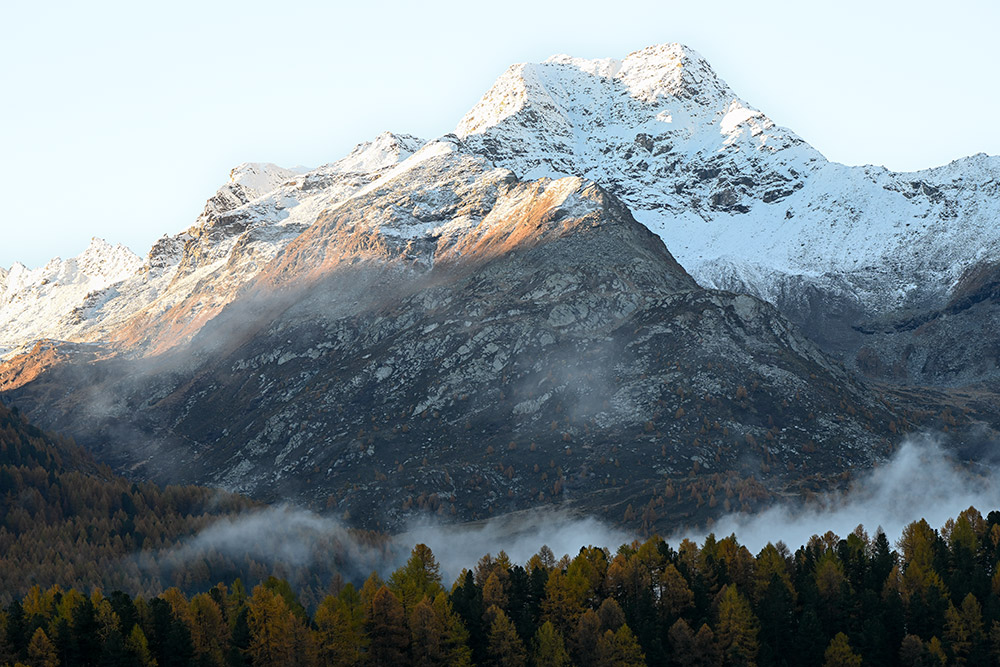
<point x="119" y="119"/>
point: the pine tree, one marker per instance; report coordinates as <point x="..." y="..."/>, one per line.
<point x="466" y="599"/>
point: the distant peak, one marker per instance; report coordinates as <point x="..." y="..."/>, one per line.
<point x="260" y="177"/>
<point x="384" y="150"/>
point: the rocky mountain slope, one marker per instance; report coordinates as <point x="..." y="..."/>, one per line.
<point x="746" y="205"/>
<point x="457" y="340"/>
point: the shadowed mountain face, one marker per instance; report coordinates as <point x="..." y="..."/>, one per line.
<point x="455" y="340"/>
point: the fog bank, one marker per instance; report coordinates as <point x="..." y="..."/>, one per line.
<point x="921" y="481"/>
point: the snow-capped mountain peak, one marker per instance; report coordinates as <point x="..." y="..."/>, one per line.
<point x="383" y="151"/>
<point x="258" y="178"/>
<point x="662" y="73"/>
<point x="36" y="302"/>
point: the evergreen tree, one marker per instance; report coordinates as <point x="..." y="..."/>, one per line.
<point x="466" y="600"/>
<point x="238" y="654"/>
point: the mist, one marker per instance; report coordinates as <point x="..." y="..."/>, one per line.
<point x="293" y="539"/>
<point x="922" y="480"/>
<point x="520" y="535"/>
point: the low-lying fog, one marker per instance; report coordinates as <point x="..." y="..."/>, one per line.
<point x="920" y="481"/>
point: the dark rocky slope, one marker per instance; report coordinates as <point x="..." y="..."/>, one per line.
<point x="454" y="340"/>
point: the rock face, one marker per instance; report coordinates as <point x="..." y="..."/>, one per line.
<point x="748" y="206"/>
<point x="458" y="340"/>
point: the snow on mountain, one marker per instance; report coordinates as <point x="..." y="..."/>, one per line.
<point x="384" y="151"/>
<point x="187" y="278"/>
<point x="742" y="203"/>
<point x="34" y="303"/>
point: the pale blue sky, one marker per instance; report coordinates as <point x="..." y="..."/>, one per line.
<point x="119" y="119"/>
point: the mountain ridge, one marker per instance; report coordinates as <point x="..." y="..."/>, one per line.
<point x="745" y="206"/>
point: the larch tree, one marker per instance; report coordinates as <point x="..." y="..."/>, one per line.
<point x="737" y="628"/>
<point x="387" y="629"/>
<point x="41" y="651"/>
<point x="421" y="576"/>
<point x="840" y="654"/>
<point x="340" y="629"/>
<point x="505" y="648"/>
<point x="455" y="640"/>
<point x="426" y="635"/>
<point x="272" y="632"/>
<point x="548" y="648"/>
<point x="138" y="647"/>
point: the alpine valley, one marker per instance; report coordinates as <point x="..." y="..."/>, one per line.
<point x="616" y="287"/>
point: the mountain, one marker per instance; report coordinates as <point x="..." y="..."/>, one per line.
<point x="110" y="297"/>
<point x="455" y="339"/>
<point x="491" y="320"/>
<point x="48" y="301"/>
<point x="860" y="258"/>
<point x="748" y="206"/>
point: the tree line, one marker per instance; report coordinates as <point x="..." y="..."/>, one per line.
<point x="934" y="599"/>
<point x="67" y="520"/>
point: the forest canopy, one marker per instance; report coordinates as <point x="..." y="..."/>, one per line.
<point x="934" y="599"/>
